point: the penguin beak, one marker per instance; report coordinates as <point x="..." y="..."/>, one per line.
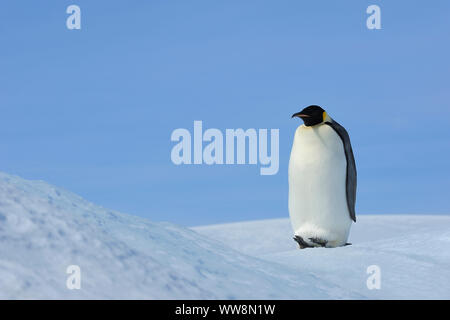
<point x="300" y="115"/>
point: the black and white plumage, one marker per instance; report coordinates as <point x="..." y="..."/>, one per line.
<point x="322" y="181"/>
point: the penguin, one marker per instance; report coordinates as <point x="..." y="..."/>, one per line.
<point x="322" y="181"/>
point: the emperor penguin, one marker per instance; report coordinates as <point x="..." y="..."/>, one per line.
<point x="322" y="181"/>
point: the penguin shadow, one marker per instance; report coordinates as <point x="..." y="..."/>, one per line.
<point x="318" y="243"/>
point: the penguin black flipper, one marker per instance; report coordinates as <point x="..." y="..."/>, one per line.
<point x="351" y="167"/>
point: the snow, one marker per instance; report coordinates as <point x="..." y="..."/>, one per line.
<point x="411" y="251"/>
<point x="44" y="229"/>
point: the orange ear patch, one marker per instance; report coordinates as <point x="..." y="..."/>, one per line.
<point x="324" y="116"/>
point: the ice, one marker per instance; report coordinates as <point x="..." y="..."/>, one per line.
<point x="412" y="252"/>
<point x="44" y="229"/>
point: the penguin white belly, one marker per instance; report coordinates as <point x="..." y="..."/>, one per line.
<point x="317" y="186"/>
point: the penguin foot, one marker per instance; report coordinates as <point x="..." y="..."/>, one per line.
<point x="347" y="244"/>
<point x="301" y="243"/>
<point x="320" y="242"/>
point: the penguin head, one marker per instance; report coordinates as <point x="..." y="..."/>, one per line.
<point x="311" y="115"/>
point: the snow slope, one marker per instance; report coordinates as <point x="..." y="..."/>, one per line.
<point x="412" y="252"/>
<point x="44" y="229"/>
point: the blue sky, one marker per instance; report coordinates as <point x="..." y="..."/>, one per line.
<point x="92" y="110"/>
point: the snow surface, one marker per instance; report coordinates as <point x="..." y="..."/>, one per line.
<point x="44" y="229"/>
